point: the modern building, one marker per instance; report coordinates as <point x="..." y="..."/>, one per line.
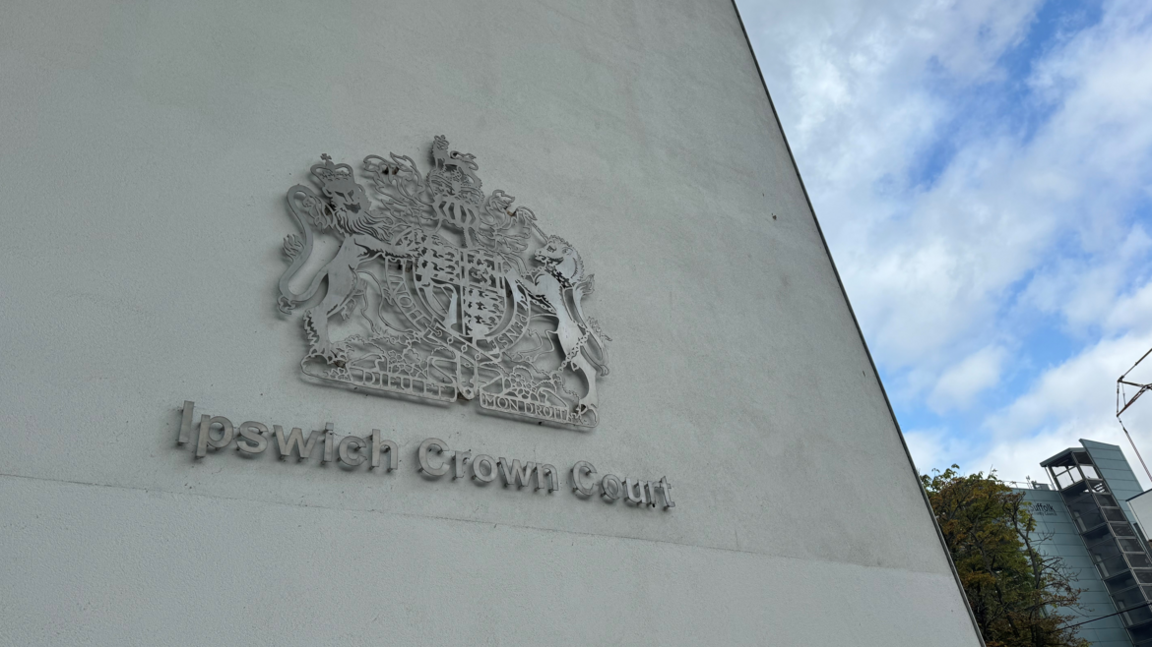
<point x="302" y="344"/>
<point x="1141" y="507"/>
<point x="1085" y="518"/>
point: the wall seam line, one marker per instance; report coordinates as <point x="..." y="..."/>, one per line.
<point x="410" y="515"/>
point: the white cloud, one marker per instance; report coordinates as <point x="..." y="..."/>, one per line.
<point x="929" y="266"/>
<point x="1071" y="401"/>
<point x="851" y="82"/>
<point x="931" y="449"/>
<point x="1132" y="312"/>
<point x="1035" y="215"/>
<point x="927" y="449"/>
<point x="1073" y="394"/>
<point x="959" y="385"/>
<point x="1081" y="289"/>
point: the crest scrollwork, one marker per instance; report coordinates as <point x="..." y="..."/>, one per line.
<point x="441" y="291"/>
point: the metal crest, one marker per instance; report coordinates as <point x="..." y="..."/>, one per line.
<point x="439" y="291"/>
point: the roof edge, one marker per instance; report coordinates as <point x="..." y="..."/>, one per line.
<point x="860" y="332"/>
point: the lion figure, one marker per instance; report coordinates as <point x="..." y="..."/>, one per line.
<point x="344" y="209"/>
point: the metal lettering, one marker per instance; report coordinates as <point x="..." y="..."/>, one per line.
<point x="252" y="440"/>
<point x="296" y="439"/>
<point x="553" y="477"/>
<point x="382" y="446"/>
<point x="487" y="474"/>
<point x="435" y="459"/>
<point x="328" y="449"/>
<point x="515" y="474"/>
<point x="206" y="440"/>
<point x="426" y="466"/>
<point x="185" y="422"/>
<point x="580" y="469"/>
<point x="651" y="488"/>
<point x="666" y="490"/>
<point x="461" y="458"/>
<point x="610" y="488"/>
<point x="349" y="450"/>
<point x="634" y="492"/>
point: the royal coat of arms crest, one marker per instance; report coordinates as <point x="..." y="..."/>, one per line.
<point x="440" y="291"/>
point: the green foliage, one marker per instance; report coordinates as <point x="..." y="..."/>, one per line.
<point x="1015" y="592"/>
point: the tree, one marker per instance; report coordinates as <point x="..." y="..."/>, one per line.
<point x="1016" y="592"/>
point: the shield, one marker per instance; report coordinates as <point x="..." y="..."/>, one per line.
<point x="465" y="290"/>
<point x="467" y="293"/>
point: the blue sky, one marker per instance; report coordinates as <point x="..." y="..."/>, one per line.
<point x="983" y="173"/>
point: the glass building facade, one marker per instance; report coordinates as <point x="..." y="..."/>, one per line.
<point x="1083" y="517"/>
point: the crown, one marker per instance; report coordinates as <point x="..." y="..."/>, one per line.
<point x="443" y="158"/>
<point x="329" y="172"/>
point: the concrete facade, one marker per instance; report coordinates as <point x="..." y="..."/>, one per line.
<point x="147" y="147"/>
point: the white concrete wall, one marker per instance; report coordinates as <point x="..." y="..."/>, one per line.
<point x="145" y="149"/>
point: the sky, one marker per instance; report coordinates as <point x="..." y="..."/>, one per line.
<point x="982" y="171"/>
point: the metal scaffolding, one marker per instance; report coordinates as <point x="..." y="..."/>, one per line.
<point x="1123" y="402"/>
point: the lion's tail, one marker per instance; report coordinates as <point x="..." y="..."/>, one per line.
<point x="301" y="200"/>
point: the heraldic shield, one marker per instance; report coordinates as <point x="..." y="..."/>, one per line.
<point x="437" y="291"/>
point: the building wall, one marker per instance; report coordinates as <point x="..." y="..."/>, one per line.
<point x="1116" y="471"/>
<point x="147" y="148"/>
<point x="1060" y="538"/>
<point x="1141" y="507"/>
